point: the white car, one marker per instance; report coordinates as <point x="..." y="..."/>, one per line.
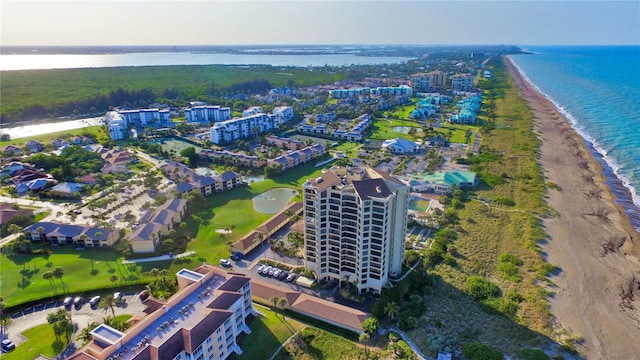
<point x="117" y="296"/>
<point x="260" y="268"/>
<point x="277" y="273"/>
<point x="225" y="262"/>
<point x="94" y="300"/>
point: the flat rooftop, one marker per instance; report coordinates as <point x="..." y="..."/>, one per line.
<point x="107" y="334"/>
<point x="184" y="315"/>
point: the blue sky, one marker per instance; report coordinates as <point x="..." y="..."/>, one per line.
<point x="318" y="22"/>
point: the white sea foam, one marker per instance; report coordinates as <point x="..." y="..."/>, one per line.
<point x="575" y="124"/>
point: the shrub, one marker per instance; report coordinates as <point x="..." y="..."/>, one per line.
<point x="509" y="271"/>
<point x="480" y="288"/>
<point x="509" y="258"/>
<point x="503" y="200"/>
<point x="532" y="354"/>
<point x="410" y="257"/>
<point x="478" y="351"/>
<point x="432" y="258"/>
<point x="502" y="306"/>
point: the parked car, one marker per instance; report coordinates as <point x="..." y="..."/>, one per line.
<point x="94" y="300"/>
<point x="271" y="271"/>
<point x="225" y="263"/>
<point x="8" y="345"/>
<point x="236" y="256"/>
<point x="144" y="294"/>
<point x="78" y="301"/>
<point x="67" y="301"/>
<point x="277" y="273"/>
<point x="283" y="275"/>
<point x="291" y="277"/>
<point x="260" y="267"/>
<point x="265" y="270"/>
<point x="117" y="296"/>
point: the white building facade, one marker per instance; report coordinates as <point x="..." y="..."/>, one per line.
<point x="462" y="82"/>
<point x="207" y="113"/>
<point x="235" y="129"/>
<point x="355" y="226"/>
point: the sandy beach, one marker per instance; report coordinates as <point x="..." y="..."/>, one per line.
<point x="591" y="240"/>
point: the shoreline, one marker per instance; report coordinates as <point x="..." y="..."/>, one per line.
<point x="626" y="194"/>
<point x="592" y="239"/>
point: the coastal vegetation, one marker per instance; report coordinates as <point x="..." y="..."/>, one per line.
<point x="46" y="94"/>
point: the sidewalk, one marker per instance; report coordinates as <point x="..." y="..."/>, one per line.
<point x="158" y="258"/>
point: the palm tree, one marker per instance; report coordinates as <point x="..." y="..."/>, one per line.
<point x="85" y="334"/>
<point x="283" y="303"/>
<point x="154" y="272"/>
<point x="58" y="273"/>
<point x="392" y="309"/>
<point x="40" y="230"/>
<point x="260" y="238"/>
<point x="364" y="338"/>
<point x="272" y="242"/>
<point x="49" y="276"/>
<point x="275" y="301"/>
<point x="108" y="302"/>
<point x="114" y="278"/>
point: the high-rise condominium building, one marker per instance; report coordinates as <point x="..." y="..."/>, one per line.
<point x="355" y="226"/>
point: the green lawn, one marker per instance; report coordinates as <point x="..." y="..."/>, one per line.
<point x="41" y="340"/>
<point x="234" y="208"/>
<point x="383" y="129"/>
<point x="45" y="138"/>
<point x="267" y="334"/>
<point x="84" y="270"/>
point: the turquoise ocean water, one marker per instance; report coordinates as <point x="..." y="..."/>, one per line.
<point x="597" y="89"/>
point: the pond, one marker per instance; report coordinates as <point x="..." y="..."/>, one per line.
<point x="273" y="200"/>
<point x="206" y="171"/>
<point x="419" y="205"/>
<point x="404" y="129"/>
<point x="253" y="178"/>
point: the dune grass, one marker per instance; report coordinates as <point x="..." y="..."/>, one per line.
<point x="486" y="231"/>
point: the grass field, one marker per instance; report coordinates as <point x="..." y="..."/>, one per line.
<point x="84" y="270"/>
<point x="98" y="131"/>
<point x="41" y="340"/>
<point x="268" y="332"/>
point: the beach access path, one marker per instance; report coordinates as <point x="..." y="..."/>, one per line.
<point x="586" y="298"/>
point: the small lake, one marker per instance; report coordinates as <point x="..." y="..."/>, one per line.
<point x="273" y="200"/>
<point x="405" y="129"/>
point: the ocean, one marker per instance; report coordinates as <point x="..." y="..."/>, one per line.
<point x="597" y="89"/>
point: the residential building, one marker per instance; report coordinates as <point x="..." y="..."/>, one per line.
<point x="354" y="133"/>
<point x="209" y="114"/>
<point x="187" y="179"/>
<point x="11" y="150"/>
<point x="34" y="146"/>
<point x="118" y="129"/>
<point x="202" y="321"/>
<point x="79" y="235"/>
<point x="355" y="225"/>
<point x="244" y="127"/>
<point x="462" y="82"/>
<point x="296" y="158"/>
<point x="401" y="146"/>
<point x="402" y="90"/>
<point x="285" y="143"/>
<point x="349" y="93"/>
<point x="252" y="110"/>
<point x="428" y="82"/>
<point x="236" y="157"/>
<point x="282" y="114"/>
<point x="141" y="118"/>
<point x="154" y="224"/>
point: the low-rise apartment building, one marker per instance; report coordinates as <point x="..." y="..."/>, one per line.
<point x="78" y="235"/>
<point x="231" y="130"/>
<point x="298" y="157"/>
<point x="202" y="321"/>
<point x="198" y="112"/>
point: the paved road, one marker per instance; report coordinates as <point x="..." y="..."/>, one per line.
<point x="81" y="317"/>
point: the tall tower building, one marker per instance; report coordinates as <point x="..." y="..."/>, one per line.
<point x="355" y="226"/>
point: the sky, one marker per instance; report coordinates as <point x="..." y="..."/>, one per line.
<point x="81" y="22"/>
